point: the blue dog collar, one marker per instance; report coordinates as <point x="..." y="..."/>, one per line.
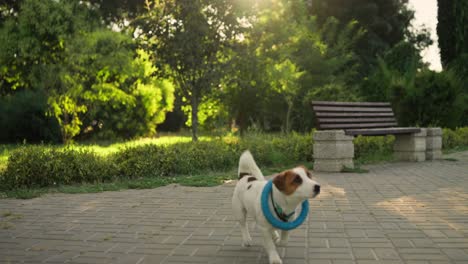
<point x="274" y="221"/>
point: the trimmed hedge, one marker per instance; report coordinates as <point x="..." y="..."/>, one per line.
<point x="41" y="166"/>
<point x="38" y="166"/>
<point x="454" y="138"/>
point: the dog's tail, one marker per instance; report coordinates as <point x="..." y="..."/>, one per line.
<point x="247" y="166"/>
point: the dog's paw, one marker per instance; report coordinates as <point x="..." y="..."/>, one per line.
<point x="247" y="243"/>
<point x="275" y="260"/>
<point x="282" y="243"/>
<point x="276" y="237"/>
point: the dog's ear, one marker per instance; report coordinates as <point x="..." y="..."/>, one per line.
<point x="309" y="174"/>
<point x="280" y="181"/>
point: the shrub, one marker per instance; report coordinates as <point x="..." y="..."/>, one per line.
<point x="214" y="155"/>
<point x="23" y="118"/>
<point x="437" y="99"/>
<point x="39" y="166"/>
<point x="180" y="158"/>
<point x="369" y="147"/>
<point x="149" y="160"/>
<point x="284" y="150"/>
<point x="454" y="138"/>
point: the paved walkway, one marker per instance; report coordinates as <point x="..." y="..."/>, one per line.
<point x="397" y="213"/>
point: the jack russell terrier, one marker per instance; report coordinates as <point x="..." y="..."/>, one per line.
<point x="290" y="188"/>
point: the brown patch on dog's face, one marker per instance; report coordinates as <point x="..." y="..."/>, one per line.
<point x="309" y="174"/>
<point x="287" y="182"/>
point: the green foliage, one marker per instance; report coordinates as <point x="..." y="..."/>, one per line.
<point x="453" y="138"/>
<point x="368" y="149"/>
<point x="460" y="68"/>
<point x="150" y="165"/>
<point x="285" y="61"/>
<point x="438" y="99"/>
<point x="95" y="81"/>
<point x="118" y="86"/>
<point x="396" y="71"/>
<point x="386" y="23"/>
<point x="332" y="92"/>
<point x="23" y="118"/>
<point x="193" y="38"/>
<point x="420" y="97"/>
<point x="39" y="166"/>
<point x="451" y="29"/>
<point x="181" y="158"/>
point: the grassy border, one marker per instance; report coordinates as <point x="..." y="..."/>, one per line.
<point x="203" y="180"/>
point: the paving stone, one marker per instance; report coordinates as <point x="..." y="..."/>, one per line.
<point x="412" y="213"/>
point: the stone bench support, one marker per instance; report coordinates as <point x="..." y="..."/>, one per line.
<point x="333" y="150"/>
<point x="434" y="143"/>
<point x="410" y="147"/>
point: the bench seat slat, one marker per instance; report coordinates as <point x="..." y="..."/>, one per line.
<point x="326" y="103"/>
<point x="356" y="120"/>
<point x="351" y="109"/>
<point x="382" y="131"/>
<point x="349" y="126"/>
<point x="334" y="114"/>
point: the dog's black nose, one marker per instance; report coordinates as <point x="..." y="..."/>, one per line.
<point x="317" y="189"/>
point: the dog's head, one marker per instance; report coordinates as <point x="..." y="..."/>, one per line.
<point x="297" y="182"/>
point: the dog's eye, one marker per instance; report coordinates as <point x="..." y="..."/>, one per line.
<point x="297" y="179"/>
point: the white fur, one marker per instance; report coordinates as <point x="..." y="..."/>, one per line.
<point x="247" y="202"/>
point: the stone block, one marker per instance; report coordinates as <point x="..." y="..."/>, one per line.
<point x="333" y="150"/>
<point x="339" y="149"/>
<point x="434" y="155"/>
<point x="410" y="142"/>
<point x="332" y="165"/>
<point x="434" y="143"/>
<point x="410" y="147"/>
<point x="434" y="131"/>
<point x="410" y="156"/>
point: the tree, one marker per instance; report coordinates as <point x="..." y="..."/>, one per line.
<point x="94" y="79"/>
<point x="117" y="85"/>
<point x="386" y="23"/>
<point x="284" y="58"/>
<point x="452" y="17"/>
<point x="8" y="8"/>
<point x="192" y="38"/>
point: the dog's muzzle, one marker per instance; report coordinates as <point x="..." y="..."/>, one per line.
<point x="316" y="190"/>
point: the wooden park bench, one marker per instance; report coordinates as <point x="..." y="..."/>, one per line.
<point x="338" y="122"/>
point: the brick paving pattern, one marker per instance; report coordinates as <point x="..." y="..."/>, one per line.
<point x="415" y="213"/>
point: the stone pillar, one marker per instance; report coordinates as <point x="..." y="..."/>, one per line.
<point x="434" y="143"/>
<point x="410" y="147"/>
<point x="333" y="150"/>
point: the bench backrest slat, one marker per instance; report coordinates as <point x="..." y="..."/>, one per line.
<point x="352" y="115"/>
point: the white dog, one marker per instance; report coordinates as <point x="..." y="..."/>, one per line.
<point x="290" y="189"/>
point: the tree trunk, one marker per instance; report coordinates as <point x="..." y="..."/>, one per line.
<point x="288" y="118"/>
<point x="65" y="122"/>
<point x="194" y="102"/>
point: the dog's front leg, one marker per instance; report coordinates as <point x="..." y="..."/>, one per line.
<point x="270" y="247"/>
<point x="284" y="238"/>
